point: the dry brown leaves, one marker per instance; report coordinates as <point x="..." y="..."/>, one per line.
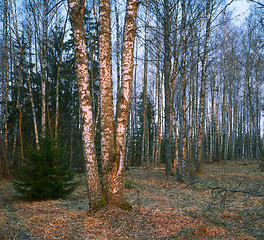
<point x="162" y="209"/>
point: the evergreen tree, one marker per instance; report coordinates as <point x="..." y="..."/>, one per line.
<point x="45" y="173"/>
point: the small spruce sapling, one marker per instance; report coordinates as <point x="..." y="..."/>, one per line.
<point x="45" y="174"/>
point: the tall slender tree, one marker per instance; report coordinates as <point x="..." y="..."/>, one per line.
<point x="106" y="86"/>
<point x="167" y="86"/>
<point x="113" y="133"/>
<point x="115" y="190"/>
<point x="91" y="166"/>
<point x="209" y="10"/>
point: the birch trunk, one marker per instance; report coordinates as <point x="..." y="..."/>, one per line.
<point x="135" y="129"/>
<point x="144" y="156"/>
<point x="117" y="47"/>
<point x="106" y="86"/>
<point x="113" y="139"/>
<point x="124" y="101"/>
<point x="203" y="80"/>
<point x="167" y="137"/>
<point x="91" y="167"/>
<point x="184" y="86"/>
<point x="212" y="123"/>
<point x="4" y="75"/>
<point x="4" y="168"/>
<point x="223" y="150"/>
<point x="156" y="141"/>
<point x="43" y="62"/>
<point x="177" y="166"/>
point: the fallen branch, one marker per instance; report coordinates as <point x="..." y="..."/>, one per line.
<point x="225" y="189"/>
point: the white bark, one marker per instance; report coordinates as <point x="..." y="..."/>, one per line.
<point x="91" y="167"/>
<point x="125" y="92"/>
<point x="106" y="87"/>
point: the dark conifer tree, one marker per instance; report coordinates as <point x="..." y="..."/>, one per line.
<point x="45" y="173"/>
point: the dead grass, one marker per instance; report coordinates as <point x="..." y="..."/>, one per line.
<point x="162" y="209"/>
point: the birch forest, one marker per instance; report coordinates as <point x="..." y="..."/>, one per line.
<point x="148" y="115"/>
<point x="197" y="85"/>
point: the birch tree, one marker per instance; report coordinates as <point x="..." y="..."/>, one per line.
<point x="184" y="86"/>
<point x="43" y="64"/>
<point x="144" y="156"/>
<point x="115" y="184"/>
<point x="209" y="9"/>
<point x="106" y="86"/>
<point x="91" y="167"/>
<point x="5" y="73"/>
<point x="113" y="132"/>
<point x="167" y="86"/>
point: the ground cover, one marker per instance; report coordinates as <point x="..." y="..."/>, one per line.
<point x="223" y="202"/>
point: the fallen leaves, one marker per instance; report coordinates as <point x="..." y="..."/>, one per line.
<point x="163" y="209"/>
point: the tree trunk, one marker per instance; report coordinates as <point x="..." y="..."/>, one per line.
<point x="212" y="122"/>
<point x="20" y="112"/>
<point x="118" y="79"/>
<point x="184" y="86"/>
<point x="203" y="80"/>
<point x="28" y="77"/>
<point x="44" y="67"/>
<point x="144" y="156"/>
<point x="167" y="136"/>
<point x="91" y="167"/>
<point x="135" y="128"/>
<point x="107" y="111"/>
<point x="124" y="101"/>
<point x="58" y="80"/>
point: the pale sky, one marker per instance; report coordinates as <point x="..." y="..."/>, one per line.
<point x="241" y="9"/>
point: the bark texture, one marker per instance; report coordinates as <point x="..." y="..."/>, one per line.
<point x="113" y="134"/>
<point x="203" y="80"/>
<point x="106" y="87"/>
<point x="91" y="167"/>
<point x="124" y="99"/>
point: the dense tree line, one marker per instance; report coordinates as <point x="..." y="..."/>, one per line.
<point x="206" y="82"/>
<point x="196" y="96"/>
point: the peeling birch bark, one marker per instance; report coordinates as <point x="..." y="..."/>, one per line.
<point x="113" y="134"/>
<point x="91" y="167"/>
<point x="124" y="99"/>
<point x="106" y="87"/>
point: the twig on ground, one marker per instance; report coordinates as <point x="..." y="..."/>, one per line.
<point x="225" y="189"/>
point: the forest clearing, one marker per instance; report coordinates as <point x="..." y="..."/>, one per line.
<point x="162" y="208"/>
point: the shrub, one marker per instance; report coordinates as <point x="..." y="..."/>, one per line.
<point x="45" y="173"/>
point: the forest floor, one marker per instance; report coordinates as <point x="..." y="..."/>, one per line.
<point x="219" y="204"/>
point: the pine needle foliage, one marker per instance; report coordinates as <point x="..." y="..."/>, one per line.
<point x="45" y="173"/>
